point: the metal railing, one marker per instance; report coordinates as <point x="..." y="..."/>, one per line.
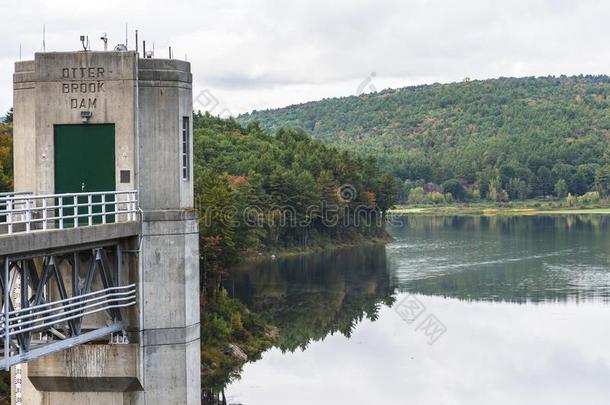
<point x="14" y="193"/>
<point x="5" y="196"/>
<point x="28" y="213"/>
<point x="42" y="317"/>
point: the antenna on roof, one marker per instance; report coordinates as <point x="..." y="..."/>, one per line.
<point x="44" y="42"/>
<point x="126" y="39"/>
<point x="19" y="50"/>
<point x="104" y="39"/>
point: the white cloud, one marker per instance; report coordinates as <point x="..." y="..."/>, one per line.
<point x="255" y="54"/>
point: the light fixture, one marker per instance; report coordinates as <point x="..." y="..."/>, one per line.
<point x="85" y="116"/>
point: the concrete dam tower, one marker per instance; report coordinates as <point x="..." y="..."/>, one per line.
<point x="101" y="233"/>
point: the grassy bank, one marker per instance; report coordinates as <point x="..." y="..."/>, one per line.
<point x="527" y="207"/>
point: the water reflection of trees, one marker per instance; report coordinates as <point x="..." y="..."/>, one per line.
<point x="313" y="296"/>
<point x="511" y="258"/>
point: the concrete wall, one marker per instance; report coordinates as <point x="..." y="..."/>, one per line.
<point x="48" y="91"/>
<point x="24" y="121"/>
<point x="88" y="368"/>
<point x="165" y="96"/>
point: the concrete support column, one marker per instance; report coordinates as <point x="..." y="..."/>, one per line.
<point x="169" y="308"/>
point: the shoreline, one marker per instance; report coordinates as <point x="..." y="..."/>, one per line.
<point x="286" y="253"/>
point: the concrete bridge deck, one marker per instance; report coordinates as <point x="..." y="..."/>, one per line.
<point x="34" y="243"/>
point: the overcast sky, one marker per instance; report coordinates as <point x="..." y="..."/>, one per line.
<point x="257" y="54"/>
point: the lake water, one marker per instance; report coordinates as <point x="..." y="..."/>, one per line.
<point x="457" y="310"/>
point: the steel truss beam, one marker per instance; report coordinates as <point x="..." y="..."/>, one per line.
<point x="35" y="301"/>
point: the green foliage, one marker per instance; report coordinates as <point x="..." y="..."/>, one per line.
<point x="476" y="195"/>
<point x="226" y="320"/>
<point x="544" y="184"/>
<point x="591" y="197"/>
<point x="388" y="190"/>
<point x="517" y="189"/>
<point x="417" y="196"/>
<point x="436" y="198"/>
<point x="561" y="188"/>
<point x="454" y="188"/>
<point x="529" y="132"/>
<point x="256" y="191"/>
<point x="492" y="193"/>
<point x="602" y="180"/>
<point x="6" y="158"/>
<point x="219" y="329"/>
<point x="217" y="230"/>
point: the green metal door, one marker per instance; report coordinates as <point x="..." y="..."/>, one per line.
<point x="85" y="163"/>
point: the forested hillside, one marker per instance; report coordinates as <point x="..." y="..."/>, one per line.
<point x="259" y="191"/>
<point x="508" y="138"/>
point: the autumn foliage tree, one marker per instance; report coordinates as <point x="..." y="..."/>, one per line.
<point x="6" y="157"/>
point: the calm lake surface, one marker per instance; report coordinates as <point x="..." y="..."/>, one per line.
<point x="457" y="310"/>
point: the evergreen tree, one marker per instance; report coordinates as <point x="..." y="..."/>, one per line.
<point x="388" y="193"/>
<point x="545" y="181"/>
<point x="8" y="118"/>
<point x="602" y="180"/>
<point x="561" y="188"/>
<point x="455" y="188"/>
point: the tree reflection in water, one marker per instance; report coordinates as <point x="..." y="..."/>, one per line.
<point x="312" y="296"/>
<point x="309" y="297"/>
